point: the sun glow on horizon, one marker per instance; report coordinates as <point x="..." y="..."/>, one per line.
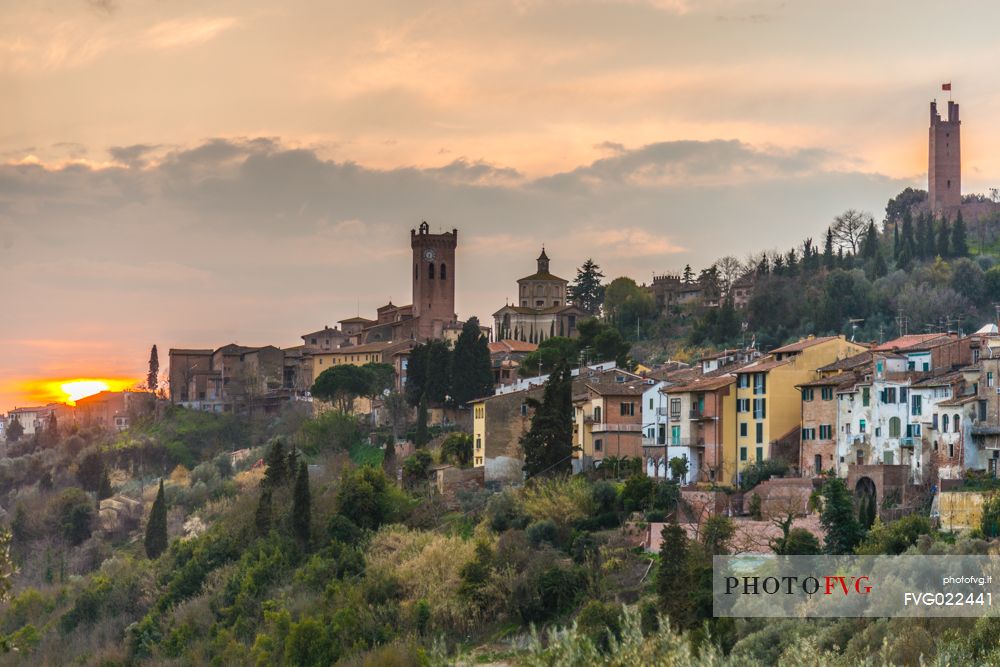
<point x="70" y="390"/>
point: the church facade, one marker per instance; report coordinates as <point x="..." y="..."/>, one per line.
<point x="541" y="309"/>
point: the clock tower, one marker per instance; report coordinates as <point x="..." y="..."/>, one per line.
<point x="433" y="280"/>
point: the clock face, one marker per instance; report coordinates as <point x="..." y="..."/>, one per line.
<point x="429" y="254"/>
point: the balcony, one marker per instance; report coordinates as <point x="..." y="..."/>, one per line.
<point x="985" y="429"/>
<point x="678" y="442"/>
<point x="652" y="442"/>
<point x="604" y="427"/>
<point x="907" y="442"/>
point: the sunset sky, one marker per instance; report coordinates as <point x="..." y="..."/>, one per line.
<point x="197" y="173"/>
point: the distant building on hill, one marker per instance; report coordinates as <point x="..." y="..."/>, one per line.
<point x="541" y="310"/>
<point x="944" y="167"/>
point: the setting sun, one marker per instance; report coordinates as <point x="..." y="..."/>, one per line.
<point x="70" y="390"/>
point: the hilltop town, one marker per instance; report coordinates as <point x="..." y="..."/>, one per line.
<point x="420" y="487"/>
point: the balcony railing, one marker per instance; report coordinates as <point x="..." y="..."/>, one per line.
<point x="677" y="442"/>
<point x="907" y="442"/>
<point x="615" y="428"/>
<point x="695" y="413"/>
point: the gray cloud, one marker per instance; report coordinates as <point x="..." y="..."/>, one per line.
<point x="252" y="240"/>
<point x="103" y="6"/>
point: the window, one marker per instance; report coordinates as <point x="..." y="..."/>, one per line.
<point x="917" y="402"/>
<point x="675" y="435"/>
<point x="759" y="408"/>
<point x="598" y="445"/>
<point x="479" y="442"/>
<point x="807" y="394"/>
<point x="416" y="271"/>
<point x="827" y="393"/>
<point x="951" y="450"/>
<point x="866" y="396"/>
<point x="675" y="409"/>
<point x="860" y="457"/>
<point x="934" y="421"/>
<point x="760" y="453"/>
<point x="956" y="423"/>
<point x="989" y="378"/>
<point x="743" y="453"/>
<point x="627" y="409"/>
<point x="861" y="426"/>
<point x="903" y="394"/>
<point x="887" y="458"/>
<point x="944" y="423"/>
<point x="818" y="464"/>
<point x="894" y="427"/>
<point x="889" y="395"/>
<point x="524" y="409"/>
<point x="742" y="405"/>
<point x="760" y="433"/>
<point x="650" y="403"/>
<point x="808" y="434"/>
<point x="430" y="271"/>
<point x="444" y="272"/>
<point x="743" y="430"/>
<point x="825" y="431"/>
<point x="742" y="381"/>
<point x="760" y="383"/>
<point x="878" y="366"/>
<point x="597" y="414"/>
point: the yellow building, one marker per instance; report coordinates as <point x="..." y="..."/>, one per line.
<point x="359" y="355"/>
<point x="768" y="404"/>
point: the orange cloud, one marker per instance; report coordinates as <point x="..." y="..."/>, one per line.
<point x="69" y="390"/>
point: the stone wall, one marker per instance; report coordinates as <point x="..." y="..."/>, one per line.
<point x="450" y="481"/>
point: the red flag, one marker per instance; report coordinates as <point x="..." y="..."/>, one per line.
<point x="946" y="86"/>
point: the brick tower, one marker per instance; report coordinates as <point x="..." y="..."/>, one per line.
<point x="433" y="280"/>
<point x="944" y="168"/>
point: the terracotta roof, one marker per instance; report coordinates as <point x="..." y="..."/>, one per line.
<point x="724" y="353"/>
<point x="802" y="344"/>
<point x="325" y="331"/>
<point x="511" y="345"/>
<point x="940" y="379"/>
<point x="910" y="341"/>
<point x="955" y="402"/>
<point x="848" y="362"/>
<point x="607" y="384"/>
<point x="355" y="319"/>
<point x="831" y="381"/>
<point x="761" y="366"/>
<point x="702" y="384"/>
<point x="543" y="275"/>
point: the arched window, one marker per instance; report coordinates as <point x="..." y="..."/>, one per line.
<point x="444" y="272"/>
<point x="957" y="423"/>
<point x="944" y="423"/>
<point x="894" y="427"/>
<point x="430" y="271"/>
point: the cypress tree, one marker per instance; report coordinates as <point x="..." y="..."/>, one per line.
<point x="104" y="488"/>
<point x="879" y="267"/>
<point x="548" y="444"/>
<point x="673" y="584"/>
<point x="152" y="377"/>
<point x="293" y="462"/>
<point x="472" y="374"/>
<point x="843" y="532"/>
<point x="921" y="240"/>
<point x="262" y="517"/>
<point x="907" y="239"/>
<point x="944" y="239"/>
<point x="959" y="244"/>
<point x="895" y="243"/>
<point x="828" y="257"/>
<point x="871" y="242"/>
<point x="277" y="465"/>
<point x="302" y="506"/>
<point x="422" y="437"/>
<point x="156" y="527"/>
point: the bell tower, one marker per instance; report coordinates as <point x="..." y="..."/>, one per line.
<point x="944" y="167"/>
<point x="433" y="280"/>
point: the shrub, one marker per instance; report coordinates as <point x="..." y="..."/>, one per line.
<point x="457" y="449"/>
<point x="754" y="507"/>
<point x="761" y="471"/>
<point x="599" y="622"/>
<point x="562" y="499"/>
<point x="342" y="529"/>
<point x="895" y="537"/>
<point x="366" y="497"/>
<point x="800" y="542"/>
<point x="604" y="496"/>
<point x="990" y="521"/>
<point x="544" y="531"/>
<point x="331" y="430"/>
<point x="504" y="512"/>
<point x="73" y="511"/>
<point x="666" y="495"/>
<point x="637" y="493"/>
<point x="416" y="467"/>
